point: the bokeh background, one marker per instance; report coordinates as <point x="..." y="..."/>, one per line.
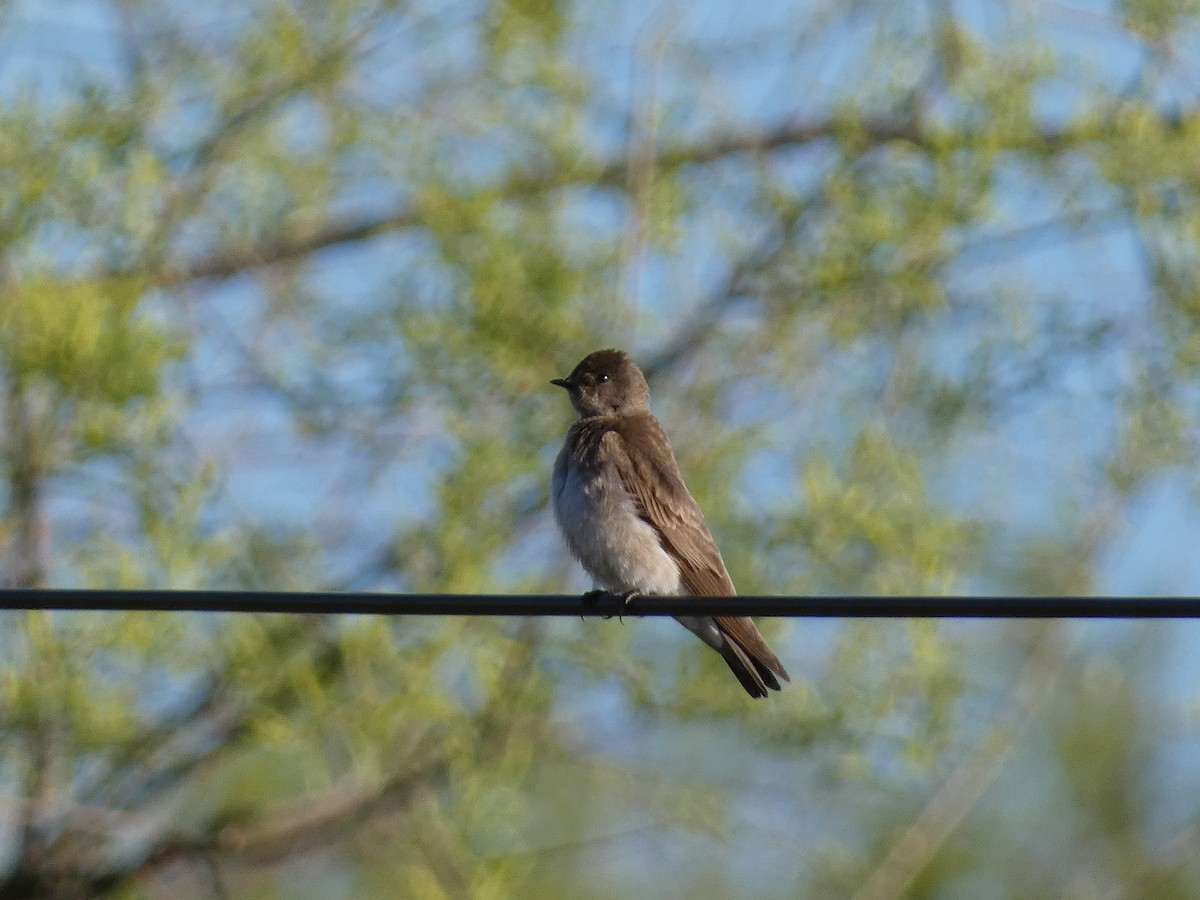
<point x="282" y="285"/>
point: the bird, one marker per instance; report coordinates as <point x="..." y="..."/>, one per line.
<point x="626" y="515"/>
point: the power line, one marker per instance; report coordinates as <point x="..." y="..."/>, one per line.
<point x="605" y="605"/>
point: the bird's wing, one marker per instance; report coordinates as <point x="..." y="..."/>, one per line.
<point x="647" y="468"/>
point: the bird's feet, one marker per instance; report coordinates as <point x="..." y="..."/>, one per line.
<point x="627" y="598"/>
<point x="595" y="598"/>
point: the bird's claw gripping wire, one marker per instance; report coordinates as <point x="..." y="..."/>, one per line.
<point x="594" y="598"/>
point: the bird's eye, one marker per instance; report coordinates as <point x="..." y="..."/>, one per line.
<point x="602" y="377"/>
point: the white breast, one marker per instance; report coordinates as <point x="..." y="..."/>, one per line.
<point x="601" y="526"/>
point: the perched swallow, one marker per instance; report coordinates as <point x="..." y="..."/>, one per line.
<point x="627" y="516"/>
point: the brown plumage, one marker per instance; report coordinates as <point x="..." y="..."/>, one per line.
<point x="631" y="521"/>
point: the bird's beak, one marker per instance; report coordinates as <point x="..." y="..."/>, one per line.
<point x="561" y="382"/>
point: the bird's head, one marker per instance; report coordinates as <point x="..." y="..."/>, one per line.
<point x="606" y="383"/>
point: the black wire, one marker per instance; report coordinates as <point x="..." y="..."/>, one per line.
<point x="920" y="607"/>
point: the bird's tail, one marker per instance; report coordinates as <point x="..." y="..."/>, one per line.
<point x="748" y="656"/>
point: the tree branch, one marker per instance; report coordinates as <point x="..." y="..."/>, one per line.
<point x="865" y="132"/>
<point x="314" y="823"/>
<point x="230" y="261"/>
<point x="954" y="799"/>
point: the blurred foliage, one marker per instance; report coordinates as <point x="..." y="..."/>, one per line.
<point x="281" y="288"/>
